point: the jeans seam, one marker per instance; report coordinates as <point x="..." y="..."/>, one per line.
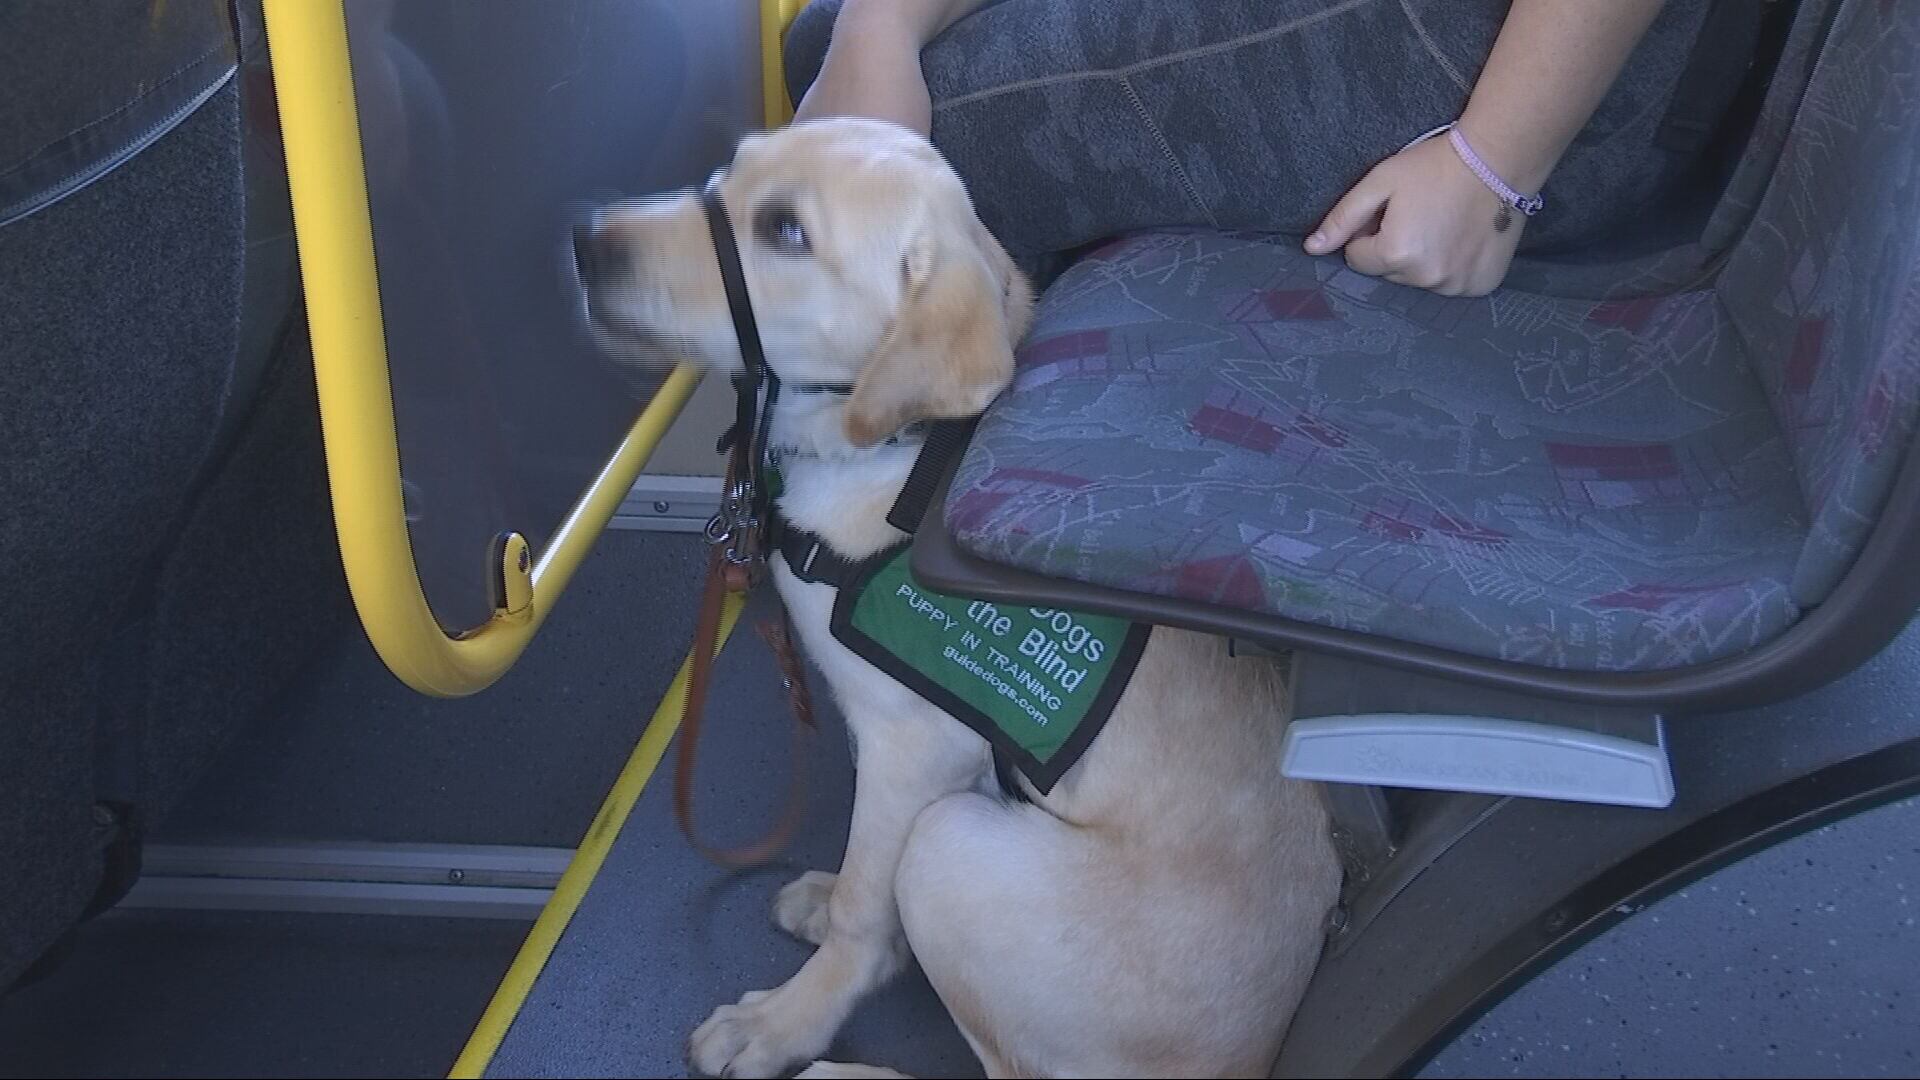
<point x="1433" y="47"/>
<point x="1166" y="148"/>
<point x="159" y="85"/>
<point x="1127" y="71"/>
<point x="49" y="194"/>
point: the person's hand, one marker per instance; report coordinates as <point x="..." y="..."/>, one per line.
<point x="1422" y="218"/>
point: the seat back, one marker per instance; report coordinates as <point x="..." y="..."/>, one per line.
<point x="120" y="268"/>
<point x="1824" y="285"/>
<point x="162" y="481"/>
<point x="1681" y="246"/>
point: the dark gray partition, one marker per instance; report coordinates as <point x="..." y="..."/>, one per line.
<point x="485" y="123"/>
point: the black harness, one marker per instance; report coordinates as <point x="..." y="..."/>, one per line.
<point x="749" y="523"/>
<point x="745" y="517"/>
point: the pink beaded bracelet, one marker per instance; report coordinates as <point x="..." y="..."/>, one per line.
<point x="1526" y="204"/>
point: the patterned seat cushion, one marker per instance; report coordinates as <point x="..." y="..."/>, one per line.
<point x="1220" y="418"/>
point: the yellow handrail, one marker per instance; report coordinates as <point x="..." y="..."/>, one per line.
<point x="775" y="16"/>
<point x="326" y="175"/>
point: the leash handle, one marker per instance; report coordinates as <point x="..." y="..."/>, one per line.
<point x="778" y="634"/>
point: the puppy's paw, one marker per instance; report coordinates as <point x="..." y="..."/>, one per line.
<point x="801" y="907"/>
<point x="760" y="1037"/>
<point x="835" y="1070"/>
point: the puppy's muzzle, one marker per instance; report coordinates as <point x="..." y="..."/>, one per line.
<point x="597" y="258"/>
<point x="604" y="266"/>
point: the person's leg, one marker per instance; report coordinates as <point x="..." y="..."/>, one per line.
<point x="1072" y="122"/>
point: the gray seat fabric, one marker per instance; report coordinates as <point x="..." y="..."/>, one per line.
<point x="1220" y="418"/>
<point x="117" y="336"/>
<point x="162" y="478"/>
<point x="1634" y="484"/>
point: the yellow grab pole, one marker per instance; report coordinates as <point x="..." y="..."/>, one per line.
<point x="327" y="178"/>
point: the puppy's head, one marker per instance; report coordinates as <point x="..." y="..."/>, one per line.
<point x="865" y="263"/>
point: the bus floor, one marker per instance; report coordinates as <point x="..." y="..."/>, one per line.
<point x="663" y="936"/>
<point x="352" y="756"/>
<point x="209" y="994"/>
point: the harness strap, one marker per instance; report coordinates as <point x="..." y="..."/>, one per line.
<point x="811" y="558"/>
<point x="744" y="500"/>
<point x="946" y="440"/>
<point x="1715" y="69"/>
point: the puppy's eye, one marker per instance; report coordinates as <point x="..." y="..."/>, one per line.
<point x="779" y="228"/>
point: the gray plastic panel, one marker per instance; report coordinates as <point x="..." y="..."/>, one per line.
<point x="1362" y="724"/>
<point x="486" y="124"/>
<point x="1478" y="753"/>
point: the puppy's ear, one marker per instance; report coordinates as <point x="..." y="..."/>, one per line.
<point x="949" y="351"/>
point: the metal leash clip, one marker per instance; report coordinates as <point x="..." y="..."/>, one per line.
<point x="736" y="511"/>
<point x="735" y="525"/>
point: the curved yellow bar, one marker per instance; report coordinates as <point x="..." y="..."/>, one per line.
<point x="327" y="178"/>
<point x="774" y="17"/>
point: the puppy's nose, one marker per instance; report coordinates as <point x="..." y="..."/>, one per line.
<point x="595" y="256"/>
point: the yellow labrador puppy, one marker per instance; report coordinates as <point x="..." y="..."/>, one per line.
<point x="1159" y="912"/>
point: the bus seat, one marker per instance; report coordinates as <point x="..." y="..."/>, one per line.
<point x="163" y="487"/>
<point x="1702" y="497"/>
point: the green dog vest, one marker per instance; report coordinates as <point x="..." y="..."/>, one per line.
<point x="1038" y="683"/>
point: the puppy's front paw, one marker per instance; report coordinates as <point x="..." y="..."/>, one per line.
<point x="761" y="1036"/>
<point x="801" y="907"/>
